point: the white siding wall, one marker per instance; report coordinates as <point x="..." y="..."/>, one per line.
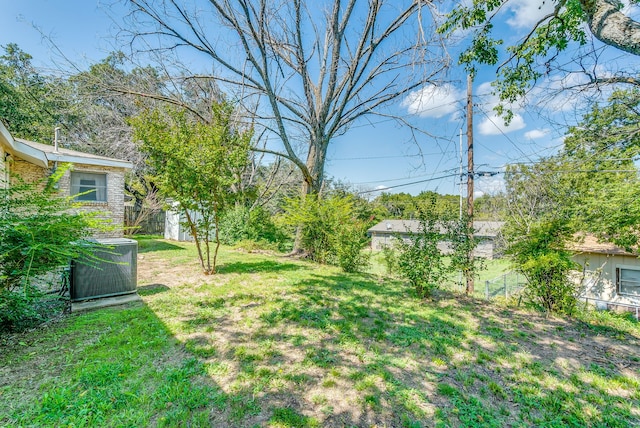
<point x="600" y="276"/>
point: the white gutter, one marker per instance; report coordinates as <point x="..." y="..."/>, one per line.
<point x="60" y="157"/>
<point x="28" y="153"/>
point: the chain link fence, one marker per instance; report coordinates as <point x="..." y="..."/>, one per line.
<point x="504" y="286"/>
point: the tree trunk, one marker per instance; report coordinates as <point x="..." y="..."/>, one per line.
<point x="194" y="233"/>
<point x="313" y="181"/>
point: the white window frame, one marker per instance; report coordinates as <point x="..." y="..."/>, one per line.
<point x="618" y="272"/>
<point x="100" y="193"/>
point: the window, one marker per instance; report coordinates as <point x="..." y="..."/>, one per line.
<point x="628" y="281"/>
<point x="89" y="186"/>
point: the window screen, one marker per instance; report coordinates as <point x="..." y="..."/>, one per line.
<point x="89" y="186"/>
<point x="629" y="281"/>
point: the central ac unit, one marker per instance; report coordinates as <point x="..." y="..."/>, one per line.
<point x="112" y="272"/>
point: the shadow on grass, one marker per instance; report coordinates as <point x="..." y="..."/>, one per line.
<point x="151" y="289"/>
<point x="261" y="266"/>
<point x="127" y="370"/>
<point x="475" y="364"/>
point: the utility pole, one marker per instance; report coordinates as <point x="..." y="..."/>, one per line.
<point x="470" y="172"/>
<point x="461" y="175"/>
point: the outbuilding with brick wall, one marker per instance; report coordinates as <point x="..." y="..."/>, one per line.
<point x="97" y="181"/>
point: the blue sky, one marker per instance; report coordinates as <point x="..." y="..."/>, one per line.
<point x="372" y="154"/>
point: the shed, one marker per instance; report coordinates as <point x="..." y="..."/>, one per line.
<point x="386" y="232"/>
<point x="175" y="223"/>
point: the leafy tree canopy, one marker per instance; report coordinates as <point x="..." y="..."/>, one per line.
<point x="196" y="164"/>
<point x="601" y="153"/>
<point x="28" y="101"/>
<point x="568" y="23"/>
<point x="591" y="186"/>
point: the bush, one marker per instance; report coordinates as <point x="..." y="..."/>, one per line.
<point x="462" y="248"/>
<point x="390" y="259"/>
<point x="241" y="224"/>
<point x="540" y="256"/>
<point x="420" y="261"/>
<point x="40" y="232"/>
<point x="548" y="281"/>
<point x="17" y="310"/>
<point x="350" y="240"/>
<point x="330" y="233"/>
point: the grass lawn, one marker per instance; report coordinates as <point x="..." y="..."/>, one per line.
<point x="274" y="342"/>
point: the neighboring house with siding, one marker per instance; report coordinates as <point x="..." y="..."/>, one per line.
<point x="97" y="180"/>
<point x="385" y="233"/>
<point x="610" y="275"/>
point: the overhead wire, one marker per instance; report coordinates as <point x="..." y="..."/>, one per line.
<point x="408" y="184"/>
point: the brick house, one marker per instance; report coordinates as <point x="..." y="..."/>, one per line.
<point x="97" y="180"/>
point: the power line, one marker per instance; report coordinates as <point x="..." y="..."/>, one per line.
<point x="408" y="184"/>
<point x="403" y="178"/>
<point x="387" y="157"/>
<point x="504" y="134"/>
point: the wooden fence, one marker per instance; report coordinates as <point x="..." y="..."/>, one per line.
<point x="152" y="223"/>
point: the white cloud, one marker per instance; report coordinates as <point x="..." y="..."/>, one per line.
<point x="535" y="134"/>
<point x="381" y="188"/>
<point x="484" y="93"/>
<point x="526" y="13"/>
<point x="494" y="125"/>
<point x="433" y="101"/>
<point x="485" y="89"/>
<point x="560" y="94"/>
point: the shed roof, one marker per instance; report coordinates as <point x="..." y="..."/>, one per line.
<point x="483" y="228"/>
<point x="591" y="244"/>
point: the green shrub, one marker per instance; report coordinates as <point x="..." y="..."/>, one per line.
<point x="242" y="224"/>
<point x="17" y="310"/>
<point x="40" y="232"/>
<point x="420" y="261"/>
<point x="541" y="257"/>
<point x="548" y="281"/>
<point x="390" y="259"/>
<point x="330" y="233"/>
<point x="234" y="225"/>
<point x="462" y="248"/>
<point x="350" y="240"/>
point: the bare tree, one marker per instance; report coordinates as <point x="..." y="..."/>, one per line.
<point x="308" y="69"/>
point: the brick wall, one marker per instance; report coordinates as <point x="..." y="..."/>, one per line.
<point x="27" y="171"/>
<point x="111" y="210"/>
